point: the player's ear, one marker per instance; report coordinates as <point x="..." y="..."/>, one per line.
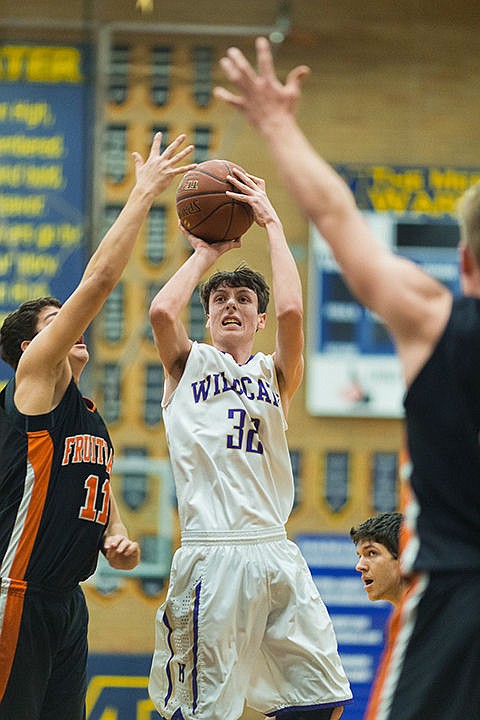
<point x="207" y="322"/>
<point x="24" y="344"/>
<point x="261" y="321"/>
<point x="466" y="259"/>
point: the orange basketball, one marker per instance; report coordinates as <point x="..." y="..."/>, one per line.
<point x="203" y="207"/>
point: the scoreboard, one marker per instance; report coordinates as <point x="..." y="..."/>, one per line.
<point x="352" y="368"/>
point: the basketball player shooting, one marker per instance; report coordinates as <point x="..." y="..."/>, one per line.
<point x="430" y="669"/>
<point x="243" y="620"/>
<point x="56" y="508"/>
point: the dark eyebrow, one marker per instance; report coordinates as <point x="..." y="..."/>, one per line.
<point x="245" y="290"/>
<point x="367" y="546"/>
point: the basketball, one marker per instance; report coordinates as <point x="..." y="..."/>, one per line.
<point x="203" y="207"/>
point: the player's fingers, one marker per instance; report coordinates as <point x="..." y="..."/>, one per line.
<point x="240" y="62"/>
<point x="241" y="179"/>
<point x="182" y="169"/>
<point x="296" y="75"/>
<point x="132" y="549"/>
<point x="172" y="147"/>
<point x="228" y="97"/>
<point x="157" y="141"/>
<point x="238" y="172"/>
<point x="122" y="546"/>
<point x="182" y="153"/>
<point x="241" y="196"/>
<point x="183" y="230"/>
<point x="137" y="159"/>
<point x="231" y="70"/>
<point x="253" y="182"/>
<point x="256" y="180"/>
<point x="264" y="59"/>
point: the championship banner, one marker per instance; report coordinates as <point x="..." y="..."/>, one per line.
<point x="352" y="368"/>
<point x="45" y="113"/>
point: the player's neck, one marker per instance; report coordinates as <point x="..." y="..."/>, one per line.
<point x="240" y="353"/>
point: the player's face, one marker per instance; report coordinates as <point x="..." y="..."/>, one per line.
<point x="78" y="355"/>
<point x="380" y="571"/>
<point x="233" y="312"/>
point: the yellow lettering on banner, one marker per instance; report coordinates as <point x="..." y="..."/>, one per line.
<point x="46" y="236"/>
<point x="448" y="180"/>
<point x="439" y="204"/>
<point x="29" y="264"/>
<point x="32" y="114"/>
<point x="25" y="146"/>
<point x="11" y="175"/>
<point x="32" y="176"/>
<point x="16" y="293"/>
<point x="42" y="63"/>
<point x="49" y="176"/>
<point x="41" y="236"/>
<point x="109" y="714"/>
<point x="68" y="235"/>
<point x="3" y="111"/>
<point x="16" y="234"/>
<point x="145" y="708"/>
<point x="32" y="205"/>
<point x="389" y="199"/>
<point x="453" y="180"/>
<point x="11" y="62"/>
<point x="6" y="262"/>
<point x="99" y="683"/>
<point x="409" y="179"/>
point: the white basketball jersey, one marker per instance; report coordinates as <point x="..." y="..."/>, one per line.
<point x="225" y="430"/>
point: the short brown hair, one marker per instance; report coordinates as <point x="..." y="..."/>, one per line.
<point x="383" y="529"/>
<point x="242" y="276"/>
<point x="20" y="325"/>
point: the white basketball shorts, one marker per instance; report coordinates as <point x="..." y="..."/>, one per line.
<point x="243" y="622"/>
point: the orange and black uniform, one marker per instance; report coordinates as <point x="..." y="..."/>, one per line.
<point x="54" y="508"/>
<point x="431" y="664"/>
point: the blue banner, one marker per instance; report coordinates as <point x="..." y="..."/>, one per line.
<point x="359" y="623"/>
<point x="118" y="688"/>
<point x="45" y="116"/>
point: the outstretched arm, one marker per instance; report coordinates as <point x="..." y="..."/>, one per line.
<point x="287" y="289"/>
<point x="412" y="304"/>
<point x="42" y="360"/>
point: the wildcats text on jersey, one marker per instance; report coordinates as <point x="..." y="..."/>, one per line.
<point x="217" y="383"/>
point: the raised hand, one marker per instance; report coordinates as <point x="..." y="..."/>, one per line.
<point x="212" y="249"/>
<point x="251" y="191"/>
<point x="158" y="170"/>
<point x="262" y="96"/>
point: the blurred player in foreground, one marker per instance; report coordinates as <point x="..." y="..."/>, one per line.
<point x="376" y="540"/>
<point x="243" y="620"/>
<point x="430" y="670"/>
<point x="56" y="507"/>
